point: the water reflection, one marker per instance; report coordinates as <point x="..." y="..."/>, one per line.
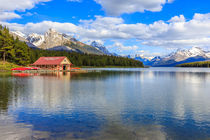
<point x="6" y="87"/>
<point x="143" y="104"/>
<point x="11" y="130"/>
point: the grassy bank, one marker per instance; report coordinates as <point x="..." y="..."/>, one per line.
<point x="204" y="64"/>
<point x="6" y="66"/>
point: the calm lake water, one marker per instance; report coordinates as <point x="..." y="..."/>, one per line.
<point x="108" y="104"/>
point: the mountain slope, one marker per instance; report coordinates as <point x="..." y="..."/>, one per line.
<point x="54" y="40"/>
<point x="101" y="47"/>
<point x="20" y="36"/>
<point x="178" y="57"/>
<point x="35" y="39"/>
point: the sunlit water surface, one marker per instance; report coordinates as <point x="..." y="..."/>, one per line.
<point x="107" y="104"/>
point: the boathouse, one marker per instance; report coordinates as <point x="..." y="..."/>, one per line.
<point x="53" y="63"/>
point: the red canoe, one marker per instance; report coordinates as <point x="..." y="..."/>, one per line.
<point x="24" y="68"/>
<point x="21" y="74"/>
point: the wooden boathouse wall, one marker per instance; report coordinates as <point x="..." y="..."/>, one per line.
<point x="53" y="63"/>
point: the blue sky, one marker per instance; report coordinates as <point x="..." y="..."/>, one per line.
<point x="146" y="27"/>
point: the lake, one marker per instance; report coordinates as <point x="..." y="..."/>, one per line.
<point x="107" y="104"/>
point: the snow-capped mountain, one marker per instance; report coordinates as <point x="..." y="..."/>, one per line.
<point x="183" y="54"/>
<point x="101" y="47"/>
<point x="36" y="39"/>
<point x="19" y="34"/>
<point x="179" y="57"/>
<point x="53" y="40"/>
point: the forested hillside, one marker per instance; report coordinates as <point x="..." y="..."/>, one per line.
<point x="88" y="59"/>
<point x="15" y="51"/>
<point x="196" y="64"/>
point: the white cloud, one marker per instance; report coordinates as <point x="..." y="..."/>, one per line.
<point x="180" y="18"/>
<point x="13" y="26"/>
<point x="19" y="5"/>
<point x="120" y="47"/>
<point x="8" y="7"/>
<point x="8" y="15"/>
<point x="102" y="28"/>
<point x="118" y="7"/>
<point x="42" y="27"/>
<point x="176" y="32"/>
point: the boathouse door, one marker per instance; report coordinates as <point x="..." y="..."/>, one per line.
<point x="64" y="67"/>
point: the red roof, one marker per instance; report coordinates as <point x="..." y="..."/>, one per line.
<point x="49" y="61"/>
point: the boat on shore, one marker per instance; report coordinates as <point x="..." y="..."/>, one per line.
<point x="25" y="68"/>
<point x="39" y="70"/>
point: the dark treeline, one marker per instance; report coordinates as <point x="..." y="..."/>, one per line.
<point x="88" y="59"/>
<point x="15" y="51"/>
<point x="205" y="64"/>
<point x="12" y="49"/>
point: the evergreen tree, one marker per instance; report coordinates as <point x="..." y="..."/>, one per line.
<point x="22" y="56"/>
<point x="6" y="44"/>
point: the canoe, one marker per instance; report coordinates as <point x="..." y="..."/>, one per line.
<point x="24" y="68"/>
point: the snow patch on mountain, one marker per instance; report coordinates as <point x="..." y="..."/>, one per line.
<point x="183" y="54"/>
<point x="178" y="57"/>
<point x="36" y="39"/>
<point x="20" y="34"/>
<point x="101" y="47"/>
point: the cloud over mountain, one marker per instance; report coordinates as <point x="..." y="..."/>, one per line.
<point x="176" y="32"/>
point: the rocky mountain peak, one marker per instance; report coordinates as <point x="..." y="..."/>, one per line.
<point x="51" y="30"/>
<point x="53" y="40"/>
<point x="101" y="47"/>
<point x="96" y="44"/>
<point x="52" y="33"/>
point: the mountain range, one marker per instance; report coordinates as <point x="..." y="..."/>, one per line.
<point x="178" y="57"/>
<point x="53" y="40"/>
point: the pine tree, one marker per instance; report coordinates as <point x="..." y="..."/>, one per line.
<point x="6" y="44"/>
<point x="22" y="53"/>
